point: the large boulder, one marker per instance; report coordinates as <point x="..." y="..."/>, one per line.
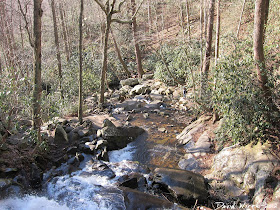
<point x="130" y="82"/>
<point x="140" y="89"/>
<point x="119" y="137"/>
<point x="187" y="134"/>
<point x="60" y="135"/>
<point x="180" y="186"/>
<point x="138" y="200"/>
<point x="243" y="171"/>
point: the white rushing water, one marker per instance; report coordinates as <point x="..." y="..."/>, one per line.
<point x="84" y="189"/>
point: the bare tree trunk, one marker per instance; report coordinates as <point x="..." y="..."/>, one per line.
<point x="188" y="19"/>
<point x="119" y="54"/>
<point x="182" y="16"/>
<point x="105" y="57"/>
<point x="135" y="38"/>
<point x="240" y="19"/>
<point x="38" y="12"/>
<point x="205" y="17"/>
<point x="208" y="47"/>
<point x="201" y="36"/>
<point x="261" y="13"/>
<point x="57" y="47"/>
<point x="80" y="112"/>
<point x="150" y="19"/>
<point x="217" y="32"/>
<point x="64" y="32"/>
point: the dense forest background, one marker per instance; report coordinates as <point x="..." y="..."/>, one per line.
<point x="171" y="35"/>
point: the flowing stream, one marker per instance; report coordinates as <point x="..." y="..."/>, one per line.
<point x="89" y="188"/>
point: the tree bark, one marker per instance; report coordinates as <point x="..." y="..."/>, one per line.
<point x="38" y="12"/>
<point x="188" y="19"/>
<point x="105" y="58"/>
<point x="201" y="35"/>
<point x="208" y="47"/>
<point x="58" y="56"/>
<point x="135" y="38"/>
<point x="64" y="32"/>
<point x="217" y="32"/>
<point x="261" y="14"/>
<point x="205" y="17"/>
<point x="80" y="112"/>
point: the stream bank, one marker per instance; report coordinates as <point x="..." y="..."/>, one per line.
<point x="143" y="167"/>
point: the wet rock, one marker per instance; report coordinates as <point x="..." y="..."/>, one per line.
<point x="60" y="135"/>
<point x="4" y="184"/>
<point x="184" y="187"/>
<point x="119" y="137"/>
<point x="189" y="163"/>
<point x="72" y="150"/>
<point x="134" y="181"/>
<point x="102" y="169"/>
<point x="101" y="144"/>
<point x="138" y="200"/>
<point x="130" y="82"/>
<point x="36" y="176"/>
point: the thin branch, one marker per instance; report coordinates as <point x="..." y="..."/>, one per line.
<point x="26" y="24"/>
<point x="102" y="6"/>
<point x="133" y="16"/>
<point x="121" y="21"/>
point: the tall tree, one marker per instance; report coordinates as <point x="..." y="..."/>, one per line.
<point x="37" y="30"/>
<point x="188" y="19"/>
<point x="261" y="15"/>
<point x="208" y="47"/>
<point x="135" y="38"/>
<point x="64" y="32"/>
<point x="56" y="40"/>
<point x="80" y="112"/>
<point x="109" y="9"/>
<point x="217" y="32"/>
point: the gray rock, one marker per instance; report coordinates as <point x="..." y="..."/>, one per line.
<point x="138" y="200"/>
<point x="140" y="89"/>
<point x="146" y="115"/>
<point x="147" y="76"/>
<point x="244" y="169"/>
<point x="185" y="187"/>
<point x="154" y="105"/>
<point x="129" y="105"/>
<point x="60" y="136"/>
<point x="163" y="130"/>
<point x="130" y="82"/>
<point x="119" y="137"/>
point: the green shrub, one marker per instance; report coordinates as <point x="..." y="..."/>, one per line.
<point x="238" y="99"/>
<point x="181" y="60"/>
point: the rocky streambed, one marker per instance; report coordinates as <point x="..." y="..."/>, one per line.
<point x="146" y="151"/>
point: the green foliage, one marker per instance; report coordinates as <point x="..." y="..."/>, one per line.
<point x="181" y="60"/>
<point x="239" y="100"/>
